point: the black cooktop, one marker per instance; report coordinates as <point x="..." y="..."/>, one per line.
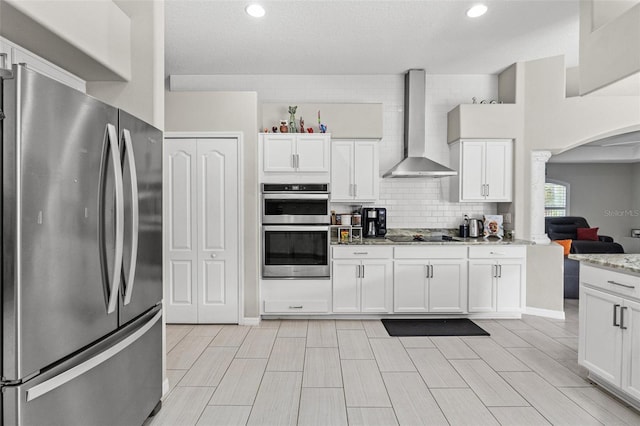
<point x="420" y="238"/>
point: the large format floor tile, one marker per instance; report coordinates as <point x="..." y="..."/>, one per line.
<point x="338" y="372"/>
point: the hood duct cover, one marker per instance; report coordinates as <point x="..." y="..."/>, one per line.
<point x="415" y="164"/>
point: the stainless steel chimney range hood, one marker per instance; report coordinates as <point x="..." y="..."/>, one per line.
<point x="415" y="164"/>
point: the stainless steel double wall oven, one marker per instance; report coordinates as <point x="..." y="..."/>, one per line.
<point x="295" y="230"/>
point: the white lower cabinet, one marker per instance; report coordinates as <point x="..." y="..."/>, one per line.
<point x="430" y="280"/>
<point x="496" y="279"/>
<point x="362" y="279"/>
<point x="609" y="337"/>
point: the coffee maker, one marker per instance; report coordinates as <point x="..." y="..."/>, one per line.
<point x="374" y="222"/>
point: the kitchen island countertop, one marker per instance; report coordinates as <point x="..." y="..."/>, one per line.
<point x="625" y="262"/>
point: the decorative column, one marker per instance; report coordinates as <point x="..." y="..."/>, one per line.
<point x="538" y="167"/>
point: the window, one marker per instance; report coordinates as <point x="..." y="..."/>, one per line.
<point x="556" y="198"/>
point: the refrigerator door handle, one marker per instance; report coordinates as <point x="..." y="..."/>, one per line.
<point x="112" y="136"/>
<point x="80" y="369"/>
<point x="130" y="277"/>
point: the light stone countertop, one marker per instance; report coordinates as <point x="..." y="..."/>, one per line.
<point x="621" y="261"/>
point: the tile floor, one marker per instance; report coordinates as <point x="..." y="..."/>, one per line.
<point x="335" y="372"/>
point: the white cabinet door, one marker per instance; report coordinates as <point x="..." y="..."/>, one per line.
<point x="312" y="153"/>
<point x="278" y="152"/>
<point x="342" y="160"/>
<point x="498" y="170"/>
<point x="366" y="171"/>
<point x="181" y="232"/>
<point x="447" y="286"/>
<point x="201" y="230"/>
<point x="600" y="340"/>
<point x="346" y="285"/>
<point x="217" y="202"/>
<point x="472" y="171"/>
<point x="482" y="296"/>
<point x="410" y="289"/>
<point x="631" y="349"/>
<point x="509" y="285"/>
<point x="375" y="285"/>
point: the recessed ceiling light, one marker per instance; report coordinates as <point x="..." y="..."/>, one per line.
<point x="255" y="10"/>
<point x="477" y="10"/>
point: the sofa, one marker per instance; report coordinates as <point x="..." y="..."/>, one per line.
<point x="566" y="228"/>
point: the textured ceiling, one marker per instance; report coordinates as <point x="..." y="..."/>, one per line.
<point x="365" y="37"/>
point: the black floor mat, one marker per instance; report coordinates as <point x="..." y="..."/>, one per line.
<point x="433" y="327"/>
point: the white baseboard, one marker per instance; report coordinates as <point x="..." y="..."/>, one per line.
<point x="250" y="321"/>
<point x="165" y="387"/>
<point x="545" y="313"/>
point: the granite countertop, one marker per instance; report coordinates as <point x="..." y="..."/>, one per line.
<point x="622" y="261"/>
<point x="427" y="233"/>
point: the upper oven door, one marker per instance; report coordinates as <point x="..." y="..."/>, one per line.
<point x="297" y="208"/>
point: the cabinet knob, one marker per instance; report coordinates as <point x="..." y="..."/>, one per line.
<point x="213" y="255"/>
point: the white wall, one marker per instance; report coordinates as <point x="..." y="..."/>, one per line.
<point x="601" y="193"/>
<point x="143" y="95"/>
<point x="609" y="34"/>
<point x="419" y="203"/>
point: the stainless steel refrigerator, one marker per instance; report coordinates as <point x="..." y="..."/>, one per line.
<point x="81" y="257"/>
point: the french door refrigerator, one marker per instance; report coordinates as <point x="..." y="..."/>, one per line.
<point x="81" y="258"/>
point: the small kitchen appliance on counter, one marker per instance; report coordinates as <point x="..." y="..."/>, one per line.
<point x="476" y="228"/>
<point x="635" y="233"/>
<point x="375" y="222"/>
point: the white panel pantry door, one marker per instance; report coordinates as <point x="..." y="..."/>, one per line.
<point x="181" y="236"/>
<point x="217" y="231"/>
<point x="201" y="230"/>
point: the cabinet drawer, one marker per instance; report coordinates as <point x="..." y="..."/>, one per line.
<point x="430" y="252"/>
<point x="296" y="306"/>
<point x="497" y="252"/>
<point x="362" y="252"/>
<point x="606" y="279"/>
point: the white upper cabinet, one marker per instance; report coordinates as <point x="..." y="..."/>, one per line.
<point x="354" y="170"/>
<point x="16" y="54"/>
<point x="285" y="155"/>
<point x="485" y="170"/>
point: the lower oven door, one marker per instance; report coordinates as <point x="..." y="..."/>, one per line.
<point x="295" y="251"/>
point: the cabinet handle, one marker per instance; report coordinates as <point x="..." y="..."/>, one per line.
<point x="487" y="190"/>
<point x="621" y="285"/>
<point x="293" y="161"/>
<point x="355" y="189"/>
<point x="295" y="307"/>
<point x="496" y="253"/>
<point x="362" y="271"/>
<point x="426" y="271"/>
<point x="622" y="326"/>
<point x="361" y="252"/>
<point x="615" y="315"/>
<point x="357" y="271"/>
<point x="499" y="271"/>
<point x="494" y="271"/>
<point x="297" y="161"/>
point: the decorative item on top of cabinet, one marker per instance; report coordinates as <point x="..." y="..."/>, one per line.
<point x="354" y="170"/>
<point x="285" y="155"/>
<point x="292" y="119"/>
<point x="485" y="170"/>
